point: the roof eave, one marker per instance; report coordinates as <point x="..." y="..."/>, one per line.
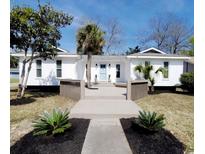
<point x="157" y="57"/>
<point x="152" y="48"/>
<point x="59" y="55"/>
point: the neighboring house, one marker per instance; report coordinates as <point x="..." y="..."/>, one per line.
<point x="189" y="65"/>
<point x="14" y="73"/>
<point x="105" y="68"/>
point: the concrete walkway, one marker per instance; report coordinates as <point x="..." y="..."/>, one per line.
<point x="105" y="92"/>
<point x="105" y="136"/>
<point x="104" y="108"/>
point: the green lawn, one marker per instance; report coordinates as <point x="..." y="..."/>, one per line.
<point x="179" y="112"/>
<point x="24" y="111"/>
<point x="13" y="80"/>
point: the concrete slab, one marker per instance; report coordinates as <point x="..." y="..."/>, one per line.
<point x="105" y="136"/>
<point x="107" y="92"/>
<point x="101" y="108"/>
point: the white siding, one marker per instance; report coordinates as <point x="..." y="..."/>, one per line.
<point x="74" y="68"/>
<point x="49" y="71"/>
<point x="175" y="70"/>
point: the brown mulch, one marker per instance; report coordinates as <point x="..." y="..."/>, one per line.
<point x="162" y="142"/>
<point x="70" y="142"/>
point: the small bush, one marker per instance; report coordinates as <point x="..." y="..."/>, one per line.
<point x="150" y="121"/>
<point x="52" y="123"/>
<point x="187" y="81"/>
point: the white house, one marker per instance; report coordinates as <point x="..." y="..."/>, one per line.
<point x="104" y="68"/>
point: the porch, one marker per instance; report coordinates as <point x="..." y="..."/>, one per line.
<point x="110" y="69"/>
<point x="106" y="91"/>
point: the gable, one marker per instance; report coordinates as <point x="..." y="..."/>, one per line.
<point x="153" y="50"/>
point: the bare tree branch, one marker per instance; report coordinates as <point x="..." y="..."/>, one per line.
<point x="113" y="32"/>
<point x="167" y="32"/>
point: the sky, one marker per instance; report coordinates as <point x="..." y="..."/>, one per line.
<point x="133" y="16"/>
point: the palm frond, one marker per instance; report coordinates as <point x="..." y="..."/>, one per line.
<point x="90" y="38"/>
<point x="139" y="68"/>
<point x="161" y="69"/>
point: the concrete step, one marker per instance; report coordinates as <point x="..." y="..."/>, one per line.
<point x="101" y="108"/>
<point x="103" y="84"/>
<point x="105" y="136"/>
<point x="101" y="116"/>
<point x="105" y="97"/>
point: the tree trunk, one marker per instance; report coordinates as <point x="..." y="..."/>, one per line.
<point x="88" y="70"/>
<point x="152" y="89"/>
<point x="26" y="79"/>
<point x="22" y="78"/>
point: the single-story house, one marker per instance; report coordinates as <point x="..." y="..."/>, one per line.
<point x="104" y="68"/>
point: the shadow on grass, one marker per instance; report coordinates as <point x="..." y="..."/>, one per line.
<point x="184" y="93"/>
<point x="156" y="92"/>
<point x="22" y="101"/>
<point x="162" y="142"/>
<point x="69" y="142"/>
<point x="30" y="97"/>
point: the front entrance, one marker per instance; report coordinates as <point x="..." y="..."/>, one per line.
<point x="103" y="72"/>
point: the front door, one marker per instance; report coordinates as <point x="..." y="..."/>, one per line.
<point x="103" y="72"/>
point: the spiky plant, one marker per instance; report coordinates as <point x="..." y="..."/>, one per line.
<point x="146" y="71"/>
<point x="150" y="121"/>
<point x="53" y="123"/>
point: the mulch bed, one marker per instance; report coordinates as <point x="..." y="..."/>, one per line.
<point x="70" y="142"/>
<point x="141" y="142"/>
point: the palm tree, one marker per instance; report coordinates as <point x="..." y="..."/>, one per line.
<point x="146" y="70"/>
<point x="90" y="41"/>
<point x="132" y="50"/>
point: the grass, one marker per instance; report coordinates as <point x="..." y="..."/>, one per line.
<point x="179" y="112"/>
<point x="24" y="111"/>
<point x="14" y="80"/>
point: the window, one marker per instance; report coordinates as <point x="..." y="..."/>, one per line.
<point x="59" y="68"/>
<point x="166" y="66"/>
<point x="118" y="71"/>
<point x="38" y="68"/>
<point x="147" y="63"/>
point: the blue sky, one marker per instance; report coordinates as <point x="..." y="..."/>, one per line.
<point x="133" y="16"/>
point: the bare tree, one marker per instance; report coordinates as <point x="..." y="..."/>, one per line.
<point x="178" y="35"/>
<point x="113" y="32"/>
<point x="159" y="31"/>
<point x="168" y="32"/>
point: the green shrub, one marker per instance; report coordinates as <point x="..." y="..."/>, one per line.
<point x="150" y="121"/>
<point x="52" y="123"/>
<point x="187" y="81"/>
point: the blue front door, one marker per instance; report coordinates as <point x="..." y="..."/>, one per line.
<point x="103" y="72"/>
